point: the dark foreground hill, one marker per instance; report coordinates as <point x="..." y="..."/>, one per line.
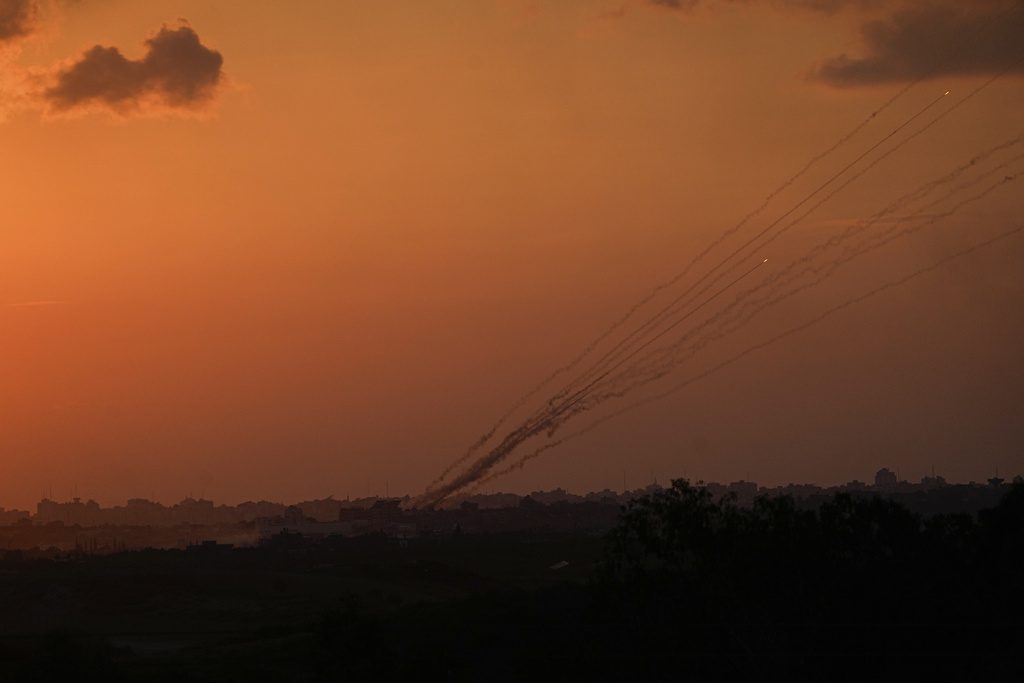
<point x="686" y="587"/>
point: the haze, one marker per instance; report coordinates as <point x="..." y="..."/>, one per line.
<point x="294" y="250"/>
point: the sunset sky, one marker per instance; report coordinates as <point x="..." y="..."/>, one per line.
<point x="288" y="250"/>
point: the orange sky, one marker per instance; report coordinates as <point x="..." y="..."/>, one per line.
<point x="388" y="220"/>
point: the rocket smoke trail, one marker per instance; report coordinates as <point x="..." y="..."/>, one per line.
<point x="626" y="342"/>
<point x="541" y="422"/>
<point x="750" y="350"/>
<point x="593" y="345"/>
<point x="631" y="363"/>
<point x="679" y="276"/>
<point x="550" y="419"/>
<point x="626" y="349"/>
<point x="670" y="309"/>
<point x="476" y="446"/>
<point x="776" y="280"/>
<point x="673" y="306"/>
<point x="742" y="311"/>
<point x="569" y="403"/>
<point x="831" y="194"/>
<point x="749" y="311"/>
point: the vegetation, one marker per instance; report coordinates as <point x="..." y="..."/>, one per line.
<point x="686" y="588"/>
<point x="859" y="587"/>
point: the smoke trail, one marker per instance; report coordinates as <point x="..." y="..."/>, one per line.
<point x="974" y="181"/>
<point x="795" y="177"/>
<point x="593" y="345"/>
<point x="673" y="309"/>
<point x="742" y="312"/>
<point x="920" y="193"/>
<point x="552" y="420"/>
<point x="541" y="421"/>
<point x="750" y="350"/>
<point x="580" y="395"/>
<point x="483" y="439"/>
<point x="623" y="346"/>
<point x="917" y="194"/>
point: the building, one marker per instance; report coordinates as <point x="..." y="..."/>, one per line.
<point x="885" y="479"/>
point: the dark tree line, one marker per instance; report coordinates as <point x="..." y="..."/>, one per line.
<point x="859" y="587"/>
<point x="693" y="588"/>
<point x="689" y="588"/>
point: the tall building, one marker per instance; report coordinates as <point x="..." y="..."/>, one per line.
<point x="885" y="479"/>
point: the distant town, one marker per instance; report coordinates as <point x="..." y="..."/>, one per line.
<point x="86" y="527"/>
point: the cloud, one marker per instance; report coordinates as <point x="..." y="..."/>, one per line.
<point x="905" y="40"/>
<point x="17" y="19"/>
<point x="938" y="38"/>
<point x="177" y="72"/>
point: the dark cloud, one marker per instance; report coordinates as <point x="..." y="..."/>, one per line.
<point x="177" y="71"/>
<point x="905" y="40"/>
<point x="935" y="39"/>
<point x="17" y="19"/>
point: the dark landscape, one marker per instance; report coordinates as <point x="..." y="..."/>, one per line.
<point x="886" y="582"/>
